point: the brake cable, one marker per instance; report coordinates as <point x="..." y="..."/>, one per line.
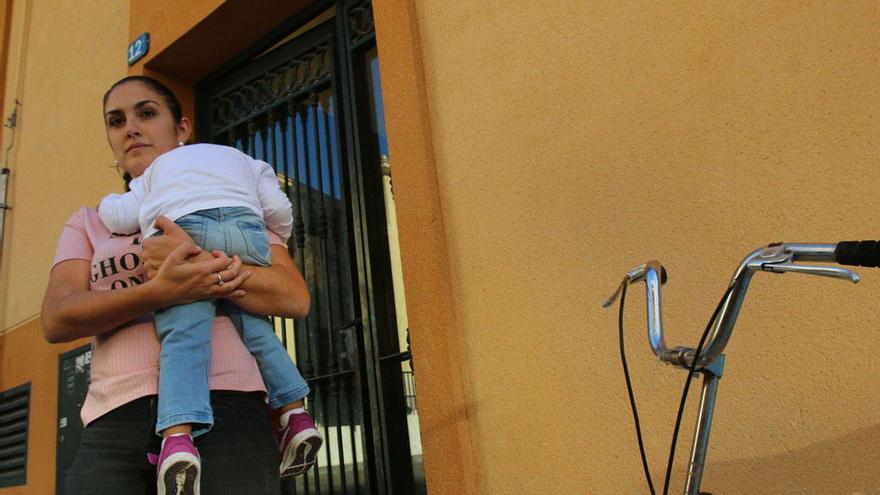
<point x="687" y="384"/>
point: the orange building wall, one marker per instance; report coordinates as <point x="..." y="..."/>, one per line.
<point x="60" y="159"/>
<point x="5" y="23"/>
<point x="445" y="408"/>
<point x="28" y="358"/>
<point x="540" y="149"/>
<point x="59" y="162"/>
<point x="568" y="141"/>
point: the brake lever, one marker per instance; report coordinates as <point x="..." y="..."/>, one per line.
<point x="822" y="271"/>
<point x="776" y="259"/>
<point x="633" y="275"/>
<point x="613" y="297"/>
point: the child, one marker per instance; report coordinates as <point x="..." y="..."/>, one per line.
<point x="220" y="197"/>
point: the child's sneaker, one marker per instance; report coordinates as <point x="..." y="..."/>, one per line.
<point x="299" y="443"/>
<point x="179" y="466"/>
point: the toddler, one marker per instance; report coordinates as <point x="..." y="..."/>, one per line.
<point x="224" y="200"/>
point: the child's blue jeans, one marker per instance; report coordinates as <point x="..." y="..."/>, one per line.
<point x="185" y="330"/>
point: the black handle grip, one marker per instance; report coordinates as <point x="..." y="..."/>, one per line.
<point x="858" y="253"/>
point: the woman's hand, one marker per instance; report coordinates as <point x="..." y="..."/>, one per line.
<point x="179" y="280"/>
<point x="156" y="250"/>
<point x="277" y="290"/>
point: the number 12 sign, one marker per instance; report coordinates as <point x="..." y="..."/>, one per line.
<point x="138" y="48"/>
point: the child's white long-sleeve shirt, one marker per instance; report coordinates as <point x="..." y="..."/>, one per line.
<point x="198" y="177"/>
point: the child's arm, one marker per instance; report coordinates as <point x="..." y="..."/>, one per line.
<point x="277" y="210"/>
<point x="119" y="212"/>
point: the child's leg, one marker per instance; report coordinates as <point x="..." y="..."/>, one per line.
<point x="184" y="397"/>
<point x="245" y="235"/>
<point x="285" y="384"/>
<point x="184" y="364"/>
<point x="298" y="438"/>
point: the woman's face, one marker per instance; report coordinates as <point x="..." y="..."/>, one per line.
<point x="140" y="126"/>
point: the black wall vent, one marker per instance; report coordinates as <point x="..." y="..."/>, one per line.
<point x="14" y="408"/>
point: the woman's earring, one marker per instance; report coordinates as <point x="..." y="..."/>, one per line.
<point x="116" y="164"/>
<point x="180" y="143"/>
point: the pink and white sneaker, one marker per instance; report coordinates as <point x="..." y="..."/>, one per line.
<point x="179" y="466"/>
<point x="299" y="443"/>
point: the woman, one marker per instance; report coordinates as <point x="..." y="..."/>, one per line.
<point x="96" y="290"/>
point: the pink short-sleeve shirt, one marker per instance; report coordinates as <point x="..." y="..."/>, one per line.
<point x="125" y="361"/>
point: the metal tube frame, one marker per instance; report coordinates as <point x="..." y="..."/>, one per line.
<point x="711" y="376"/>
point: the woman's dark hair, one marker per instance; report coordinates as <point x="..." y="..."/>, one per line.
<point x="163" y="91"/>
<point x="157" y="86"/>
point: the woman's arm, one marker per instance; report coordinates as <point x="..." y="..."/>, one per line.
<point x="276" y="290"/>
<point x="72" y="311"/>
<point x="269" y="290"/>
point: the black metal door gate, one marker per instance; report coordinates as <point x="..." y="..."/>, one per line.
<point x="307" y="101"/>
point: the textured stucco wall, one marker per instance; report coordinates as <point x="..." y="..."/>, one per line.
<point x="445" y="423"/>
<point x="60" y="160"/>
<point x="573" y="140"/>
<point x="562" y="143"/>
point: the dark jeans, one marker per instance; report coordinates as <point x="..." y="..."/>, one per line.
<point x="239" y="455"/>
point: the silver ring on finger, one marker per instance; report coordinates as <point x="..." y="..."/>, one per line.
<point x="220" y="280"/>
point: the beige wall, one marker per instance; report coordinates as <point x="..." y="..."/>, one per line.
<point x="60" y="160"/>
<point x="5" y="22"/>
<point x="451" y="459"/>
<point x="541" y="149"/>
<point x="573" y="140"/>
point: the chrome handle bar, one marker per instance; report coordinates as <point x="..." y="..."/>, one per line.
<point x="774" y="258"/>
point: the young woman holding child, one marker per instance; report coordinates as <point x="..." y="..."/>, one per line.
<point x="94" y="291"/>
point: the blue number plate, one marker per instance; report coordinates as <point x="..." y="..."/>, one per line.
<point x="138" y="48"/>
